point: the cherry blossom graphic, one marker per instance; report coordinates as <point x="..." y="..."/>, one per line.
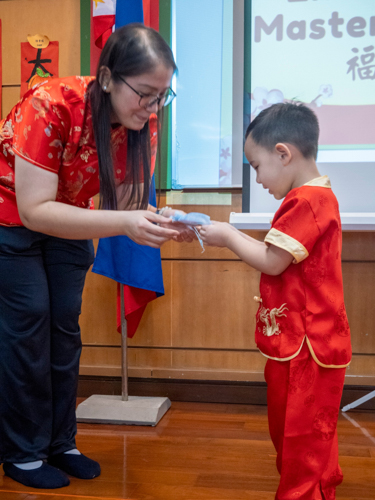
<point x="325" y="92"/>
<point x="262" y="99"/>
<point x="225" y="169"/>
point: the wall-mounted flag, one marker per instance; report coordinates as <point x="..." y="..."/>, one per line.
<point x="136" y="266"/>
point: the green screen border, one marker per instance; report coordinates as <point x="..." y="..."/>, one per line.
<point x="165" y="182"/>
<point x="85" y="13"/>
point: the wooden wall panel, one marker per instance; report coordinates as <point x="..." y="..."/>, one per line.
<point x="101" y="359"/>
<point x="213" y="305"/>
<point x="199" y="364"/>
<point x="106" y="361"/>
<point x="10" y="97"/>
<point x="98" y="317"/>
<point x="206" y="374"/>
<point x="358" y="246"/>
<point x="218" y="360"/>
<point x="99" y="313"/>
<point x="362" y="369"/>
<point x="359" y="291"/>
<point x="208" y="321"/>
<point x="175" y="363"/>
<point x="207" y="315"/>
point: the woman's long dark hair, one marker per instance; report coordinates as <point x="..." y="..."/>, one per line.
<point x="131" y="50"/>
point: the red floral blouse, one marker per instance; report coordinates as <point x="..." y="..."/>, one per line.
<point x="51" y="127"/>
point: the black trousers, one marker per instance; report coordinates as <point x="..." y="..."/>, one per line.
<point x="41" y="283"/>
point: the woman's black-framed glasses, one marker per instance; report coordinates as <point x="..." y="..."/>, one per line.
<point x="149" y="100"/>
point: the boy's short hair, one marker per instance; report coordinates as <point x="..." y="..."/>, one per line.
<point x="294" y="123"/>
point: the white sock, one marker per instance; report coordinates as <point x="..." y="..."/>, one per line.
<point x="74" y="451"/>
<point x="30" y="465"/>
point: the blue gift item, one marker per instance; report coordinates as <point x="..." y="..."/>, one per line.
<point x="192" y="219"/>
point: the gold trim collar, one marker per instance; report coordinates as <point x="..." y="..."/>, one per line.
<point x="322" y="181"/>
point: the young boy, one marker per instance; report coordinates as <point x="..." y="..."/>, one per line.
<point x="302" y="326"/>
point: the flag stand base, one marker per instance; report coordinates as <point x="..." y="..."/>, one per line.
<point x="136" y="410"/>
<point x="124" y="409"/>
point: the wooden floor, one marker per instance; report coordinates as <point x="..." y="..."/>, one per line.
<point x="201" y="452"/>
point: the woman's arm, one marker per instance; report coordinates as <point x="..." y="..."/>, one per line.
<point x="267" y="259"/>
<point x="36" y="190"/>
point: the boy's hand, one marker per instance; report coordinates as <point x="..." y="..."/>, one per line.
<point x="186" y="234"/>
<point x="216" y="234"/>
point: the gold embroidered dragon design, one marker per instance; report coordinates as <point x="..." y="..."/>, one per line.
<point x="268" y="317"/>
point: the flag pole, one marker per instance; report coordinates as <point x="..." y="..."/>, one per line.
<point x="124" y="349"/>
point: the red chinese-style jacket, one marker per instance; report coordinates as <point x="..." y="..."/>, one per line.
<point x="305" y="303"/>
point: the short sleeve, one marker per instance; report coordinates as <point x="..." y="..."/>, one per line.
<point x="41" y="129"/>
<point x="294" y="228"/>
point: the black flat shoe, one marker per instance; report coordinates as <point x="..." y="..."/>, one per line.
<point x="75" y="465"/>
<point x="45" y="476"/>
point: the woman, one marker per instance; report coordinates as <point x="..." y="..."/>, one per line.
<point x="67" y="140"/>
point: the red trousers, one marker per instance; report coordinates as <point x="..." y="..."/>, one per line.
<point x="303" y="405"/>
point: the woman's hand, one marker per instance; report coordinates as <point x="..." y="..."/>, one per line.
<point x="216" y="234"/>
<point x="185" y="233"/>
<point x="140" y="228"/>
